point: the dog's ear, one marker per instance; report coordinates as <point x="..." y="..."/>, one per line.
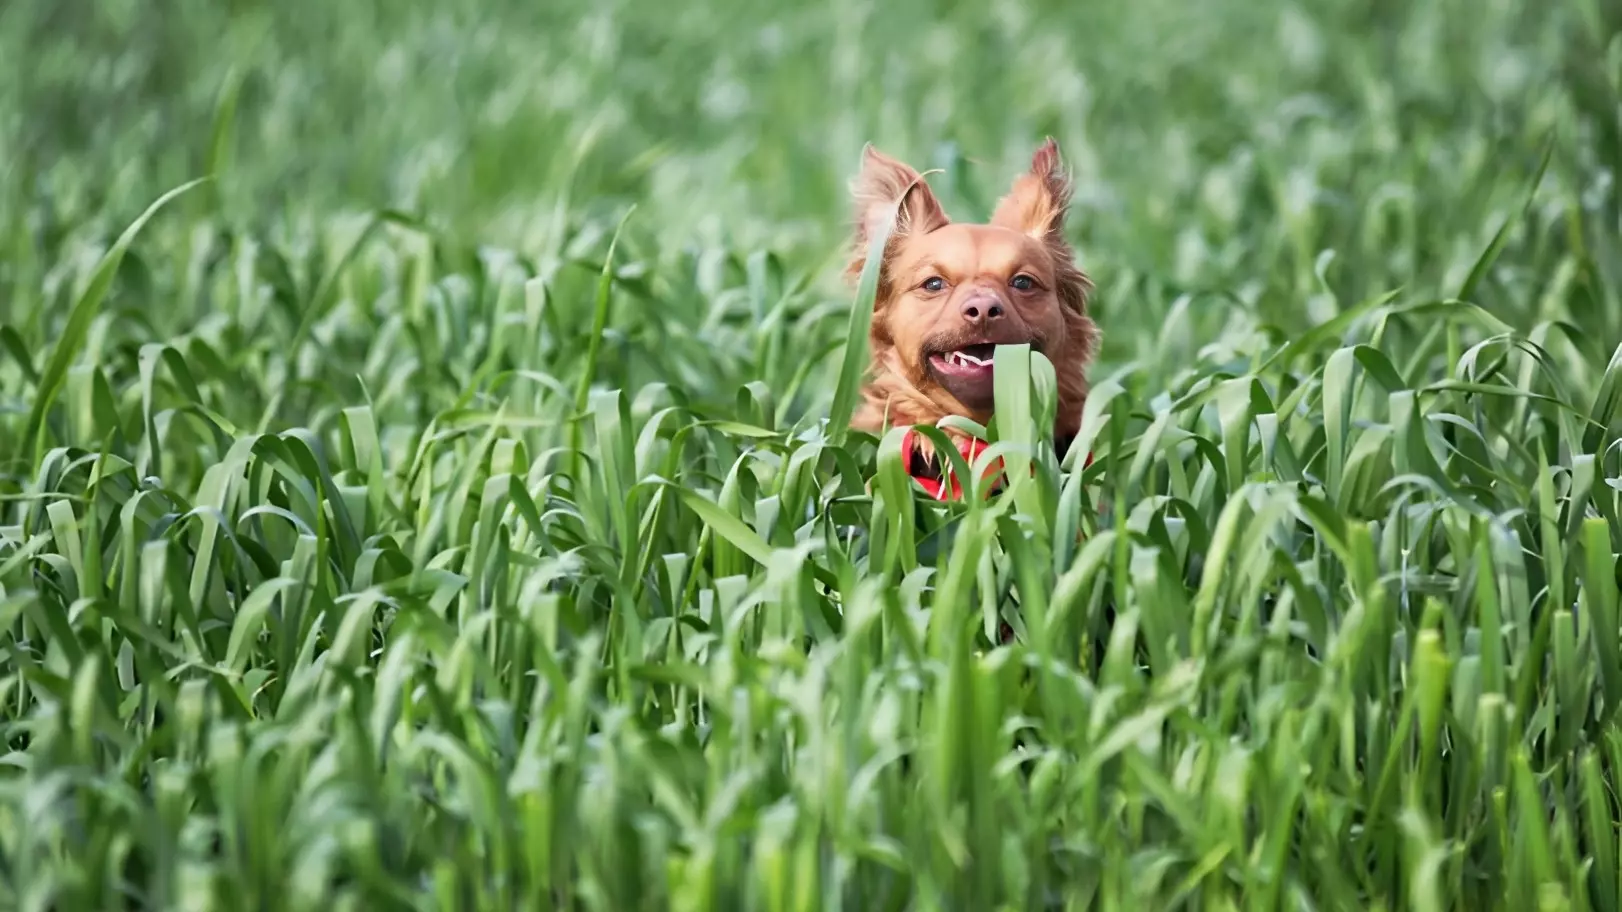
<point x="878" y="186"/>
<point x="1036" y="205"/>
<point x="1037" y="202"/>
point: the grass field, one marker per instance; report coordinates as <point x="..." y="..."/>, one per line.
<point x="438" y="508"/>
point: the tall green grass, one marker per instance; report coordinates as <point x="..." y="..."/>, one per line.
<point x="434" y="506"/>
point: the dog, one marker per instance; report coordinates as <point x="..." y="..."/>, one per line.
<point x="950" y="292"/>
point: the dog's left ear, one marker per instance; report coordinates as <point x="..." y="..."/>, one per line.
<point x="1036" y="205"/>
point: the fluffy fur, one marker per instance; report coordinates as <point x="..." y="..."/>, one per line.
<point x="932" y="268"/>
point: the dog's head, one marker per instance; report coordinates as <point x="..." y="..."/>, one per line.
<point x="948" y="293"/>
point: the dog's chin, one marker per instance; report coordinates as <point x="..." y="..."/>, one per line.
<point x="966" y="373"/>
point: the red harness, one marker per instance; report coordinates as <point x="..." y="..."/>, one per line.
<point x="939" y="481"/>
<point x="941" y="484"/>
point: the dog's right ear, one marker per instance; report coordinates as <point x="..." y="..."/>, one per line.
<point x="881" y="183"/>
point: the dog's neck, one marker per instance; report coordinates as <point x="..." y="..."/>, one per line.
<point x="890" y="400"/>
<point x="889" y="397"/>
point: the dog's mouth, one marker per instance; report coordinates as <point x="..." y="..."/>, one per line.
<point x="966" y="371"/>
<point x="967" y="359"/>
<point x="970" y="359"/>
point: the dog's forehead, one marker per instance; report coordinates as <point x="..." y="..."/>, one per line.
<point x="978" y="248"/>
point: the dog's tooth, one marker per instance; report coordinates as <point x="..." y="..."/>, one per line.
<point x="964" y="359"/>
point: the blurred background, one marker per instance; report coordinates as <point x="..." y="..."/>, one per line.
<point x="740" y="122"/>
<point x="1244" y="167"/>
<point x="400" y="264"/>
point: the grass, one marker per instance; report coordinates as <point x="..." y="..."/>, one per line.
<point x="433" y="508"/>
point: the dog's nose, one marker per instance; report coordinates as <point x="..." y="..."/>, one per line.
<point x="980" y="309"/>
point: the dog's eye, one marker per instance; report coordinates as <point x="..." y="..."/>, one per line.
<point x="934" y="283"/>
<point x="1023" y="282"/>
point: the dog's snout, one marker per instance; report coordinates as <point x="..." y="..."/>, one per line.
<point x="981" y="308"/>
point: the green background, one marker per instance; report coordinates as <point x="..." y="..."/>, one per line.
<point x="365" y="544"/>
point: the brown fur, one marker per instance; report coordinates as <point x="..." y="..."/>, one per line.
<point x="1025" y="233"/>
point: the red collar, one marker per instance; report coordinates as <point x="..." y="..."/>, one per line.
<point x="938" y="480"/>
